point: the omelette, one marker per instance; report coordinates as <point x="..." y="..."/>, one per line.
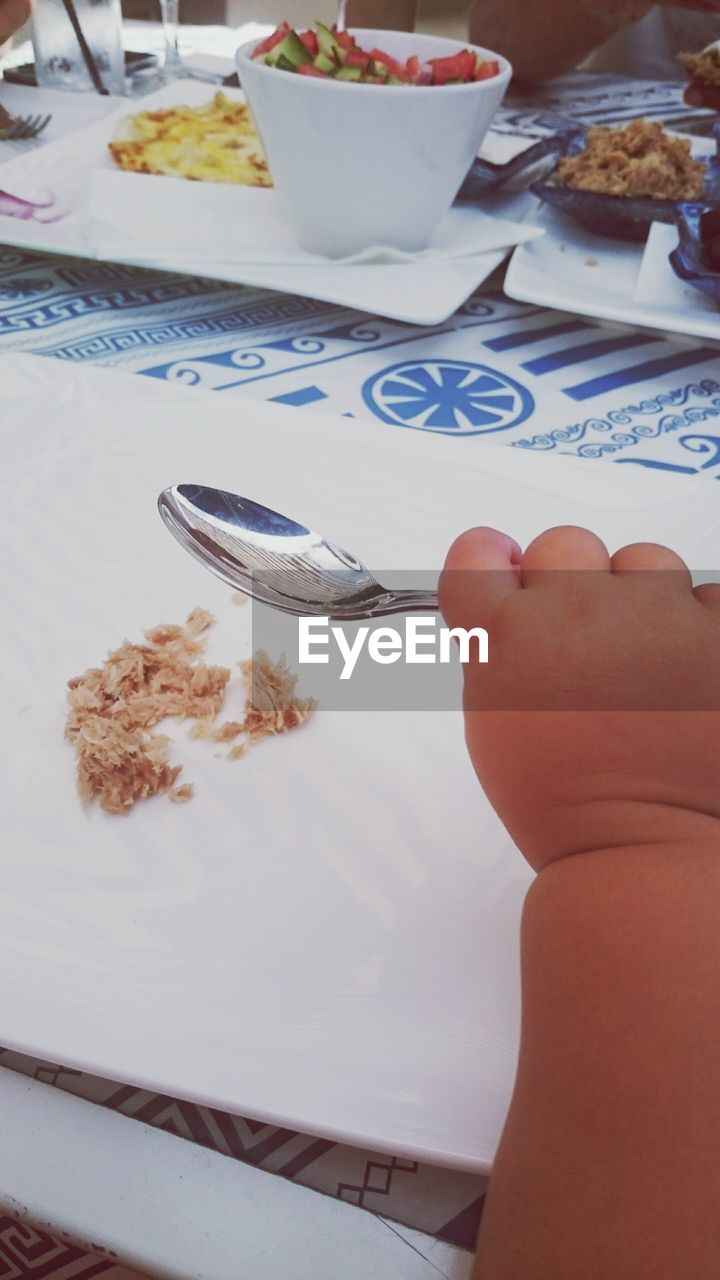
<point x="216" y="142"/>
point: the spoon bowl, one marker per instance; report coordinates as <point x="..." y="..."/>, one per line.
<point x="277" y="561"/>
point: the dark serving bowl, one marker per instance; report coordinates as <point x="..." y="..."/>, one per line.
<point x="626" y="217"/>
<point x="697" y="257"/>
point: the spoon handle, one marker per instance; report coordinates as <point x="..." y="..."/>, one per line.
<point x="406" y="602"/>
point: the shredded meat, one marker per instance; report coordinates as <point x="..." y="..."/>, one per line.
<point x="272" y="706"/>
<point x="112" y="708"/>
<point x="226" y="732"/>
<point x="639" y="159"/>
<point x="181" y="795"/>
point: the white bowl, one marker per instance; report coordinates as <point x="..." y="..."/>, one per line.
<point x="359" y="165"/>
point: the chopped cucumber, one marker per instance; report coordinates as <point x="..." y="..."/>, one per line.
<point x="378" y="69"/>
<point x="324" y="63"/>
<point x="326" y="41"/>
<point x="291" y="50"/>
<point x="348" y="73"/>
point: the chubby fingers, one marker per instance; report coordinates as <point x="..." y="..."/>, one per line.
<point x="639" y="556"/>
<point x="708" y="594"/>
<point x="570" y="547"/>
<point x="482" y="569"/>
<point x="466" y="593"/>
<point x="566" y="547"/>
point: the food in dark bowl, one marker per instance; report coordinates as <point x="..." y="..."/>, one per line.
<point x="626" y="178"/>
<point x="637" y="160"/>
<point x="697" y="257"/>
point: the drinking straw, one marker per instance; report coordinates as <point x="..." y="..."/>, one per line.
<point x="88" y="59"/>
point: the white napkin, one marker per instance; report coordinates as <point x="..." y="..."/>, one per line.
<point x="657" y="285"/>
<point x="148" y="218"/>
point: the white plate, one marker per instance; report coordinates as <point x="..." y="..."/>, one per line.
<point x="571" y="269"/>
<point x="426" y="292"/>
<point x="327" y="936"/>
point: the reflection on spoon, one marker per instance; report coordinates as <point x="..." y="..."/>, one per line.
<point x="277" y="561"/>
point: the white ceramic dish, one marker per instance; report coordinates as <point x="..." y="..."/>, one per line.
<point x="427" y="292"/>
<point x="359" y="165"/>
<point x="326" y="937"/>
<point x="571" y="269"/>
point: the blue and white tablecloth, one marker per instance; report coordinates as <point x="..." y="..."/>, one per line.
<point x="505" y="372"/>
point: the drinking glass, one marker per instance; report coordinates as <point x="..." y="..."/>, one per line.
<point x="172" y="66"/>
<point x="59" y="62"/>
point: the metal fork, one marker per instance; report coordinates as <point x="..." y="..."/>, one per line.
<point x="21" y="128"/>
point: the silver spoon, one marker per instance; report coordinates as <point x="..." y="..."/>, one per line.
<point x="277" y="561"/>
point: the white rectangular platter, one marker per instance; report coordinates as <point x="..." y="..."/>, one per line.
<point x="571" y="269"/>
<point x="422" y="292"/>
<point x="327" y="936"/>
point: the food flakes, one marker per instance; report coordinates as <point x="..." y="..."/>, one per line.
<point x="226" y="732"/>
<point x="181" y="795"/>
<point x="272" y="706"/>
<point x="113" y="708"/>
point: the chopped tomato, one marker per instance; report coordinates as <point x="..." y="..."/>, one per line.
<point x="356" y="58"/>
<point x="486" y="70"/>
<point x="310" y="41"/>
<point x="278" y="34"/>
<point x="307" y="69"/>
<point x="460" y="66"/>
<point x="394" y="67"/>
<point x="315" y="52"/>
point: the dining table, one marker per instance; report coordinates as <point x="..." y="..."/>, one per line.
<point x="101" y="1178"/>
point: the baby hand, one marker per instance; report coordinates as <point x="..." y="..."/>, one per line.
<point x="596" y="722"/>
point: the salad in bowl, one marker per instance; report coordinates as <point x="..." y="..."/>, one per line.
<point x="370" y="147"/>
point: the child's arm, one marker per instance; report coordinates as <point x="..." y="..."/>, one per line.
<point x="544" y="38"/>
<point x="13" y="13"/>
<point x="609" y="1166"/>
